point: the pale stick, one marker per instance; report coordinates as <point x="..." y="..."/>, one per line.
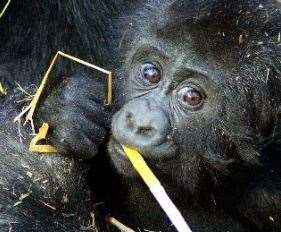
<point x="157" y="190"/>
<point x="29" y="110"/>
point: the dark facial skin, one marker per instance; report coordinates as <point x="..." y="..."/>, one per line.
<point x="157" y="111"/>
<point x="199" y="111"/>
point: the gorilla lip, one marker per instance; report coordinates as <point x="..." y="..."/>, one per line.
<point x="119" y="150"/>
<point x="166" y="151"/>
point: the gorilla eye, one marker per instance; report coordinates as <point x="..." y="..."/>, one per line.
<point x="190" y="96"/>
<point x="150" y="73"/>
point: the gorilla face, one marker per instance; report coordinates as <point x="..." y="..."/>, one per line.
<point x="195" y="97"/>
<point x="173" y="104"/>
<point x="168" y="102"/>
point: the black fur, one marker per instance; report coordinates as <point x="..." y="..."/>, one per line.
<point x="55" y="188"/>
<point x="32" y="32"/>
<point x="39" y="193"/>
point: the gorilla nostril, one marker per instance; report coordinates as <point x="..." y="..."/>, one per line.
<point x="145" y="130"/>
<point x="130" y="120"/>
<point x="129" y="116"/>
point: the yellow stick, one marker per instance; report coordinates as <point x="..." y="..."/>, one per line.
<point x="3" y="91"/>
<point x="157" y="190"/>
<point x="42" y="134"/>
<point x="29" y="110"/>
<point x="109" y="78"/>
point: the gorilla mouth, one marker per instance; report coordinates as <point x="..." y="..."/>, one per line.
<point x="116" y="149"/>
<point x="120" y="150"/>
<point x="164" y="150"/>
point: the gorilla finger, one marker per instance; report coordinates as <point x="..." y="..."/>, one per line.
<point x="99" y="118"/>
<point x="76" y="145"/>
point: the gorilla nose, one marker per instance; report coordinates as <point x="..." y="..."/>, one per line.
<point x="140" y="123"/>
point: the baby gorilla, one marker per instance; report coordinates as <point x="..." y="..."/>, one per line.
<point x="202" y="105"/>
<point x="200" y="97"/>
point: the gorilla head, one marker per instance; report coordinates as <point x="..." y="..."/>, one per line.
<point x="202" y="105"/>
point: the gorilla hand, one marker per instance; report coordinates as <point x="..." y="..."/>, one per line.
<point x="78" y="119"/>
